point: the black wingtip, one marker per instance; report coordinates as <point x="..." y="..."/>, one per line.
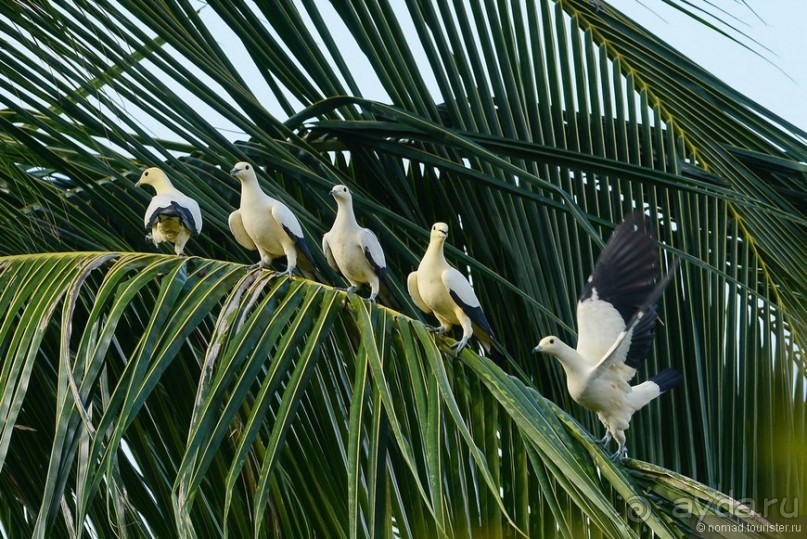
<point x="652" y="300"/>
<point x="642" y="338"/>
<point x="643" y="320"/>
<point x="476" y="314"/>
<point x="667" y="379"/>
<point x="302" y="245"/>
<point x="626" y="269"/>
<point x="376" y="268"/>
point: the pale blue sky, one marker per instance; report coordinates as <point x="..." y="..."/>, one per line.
<point x="776" y="78"/>
<point x="782" y="29"/>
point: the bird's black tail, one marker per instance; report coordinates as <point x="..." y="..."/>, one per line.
<point x="385" y="291"/>
<point x="492" y="348"/>
<point x="667" y="379"/>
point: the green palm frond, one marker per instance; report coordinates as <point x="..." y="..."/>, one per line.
<point x="230" y="378"/>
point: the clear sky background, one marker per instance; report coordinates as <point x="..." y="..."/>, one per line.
<point x="779" y="25"/>
<point x="772" y="70"/>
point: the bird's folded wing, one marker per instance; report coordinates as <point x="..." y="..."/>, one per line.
<point x="372" y="250"/>
<point x="239" y="232"/>
<point x="636" y="330"/>
<point x="457" y="285"/>
<point x="182" y="207"/>
<point x="326" y="250"/>
<point x="289" y="223"/>
<point x="196" y="213"/>
<point x="464" y="296"/>
<point x="287" y="220"/>
<point x="171" y="208"/>
<point x="157" y="202"/>
<point x="414" y="292"/>
<point x="626" y="269"/>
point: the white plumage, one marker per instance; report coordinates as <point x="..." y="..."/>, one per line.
<point x="616" y="317"/>
<point x="438" y="288"/>
<point x="352" y="250"/>
<point x="172" y="216"/>
<point x="266" y="224"/>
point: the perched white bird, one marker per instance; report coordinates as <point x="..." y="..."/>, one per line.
<point x="171" y="215"/>
<point x="616" y="320"/>
<point x="438" y="288"/>
<point x="352" y="250"/>
<point x="267" y="225"/>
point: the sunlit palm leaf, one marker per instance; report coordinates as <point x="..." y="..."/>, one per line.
<point x="260" y="371"/>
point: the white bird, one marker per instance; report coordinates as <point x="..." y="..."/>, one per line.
<point x="352" y="250"/>
<point x="267" y="225"/>
<point x="616" y="320"/>
<point x="172" y="216"/>
<point x="438" y="288"/>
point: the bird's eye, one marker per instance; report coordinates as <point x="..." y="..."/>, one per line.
<point x="146" y="173"/>
<point x="247" y="167"/>
<point x="434" y="228"/>
<point x="551" y="341"/>
<point x="344" y="189"/>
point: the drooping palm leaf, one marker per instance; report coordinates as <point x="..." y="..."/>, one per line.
<point x="247" y="360"/>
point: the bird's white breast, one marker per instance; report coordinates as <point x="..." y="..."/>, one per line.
<point x="349" y="255"/>
<point x="599" y="325"/>
<point x="601" y="394"/>
<point x="262" y="228"/>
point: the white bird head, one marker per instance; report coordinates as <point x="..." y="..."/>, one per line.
<point x="243" y="171"/>
<point x="341" y="193"/>
<point x="156" y="178"/>
<point x="439" y="232"/>
<point x="550" y="345"/>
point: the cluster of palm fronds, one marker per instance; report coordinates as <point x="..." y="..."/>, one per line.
<point x="140" y="398"/>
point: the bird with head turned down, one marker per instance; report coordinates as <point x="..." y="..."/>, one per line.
<point x="438" y="288"/>
<point x="267" y="225"/>
<point x="171" y="215"/>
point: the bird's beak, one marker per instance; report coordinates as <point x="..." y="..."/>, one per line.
<point x="139" y="182"/>
<point x="234" y="171"/>
<point x="333" y="192"/>
<point x="538" y="348"/>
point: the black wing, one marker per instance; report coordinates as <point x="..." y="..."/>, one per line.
<point x="477" y="316"/>
<point x="174" y="210"/>
<point x="302" y="246"/>
<point x="643" y="322"/>
<point x="642" y="339"/>
<point x="379" y="270"/>
<point x="373" y="264"/>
